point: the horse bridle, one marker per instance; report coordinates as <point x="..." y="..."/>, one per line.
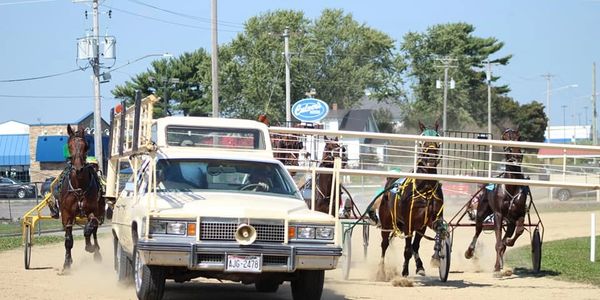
<point x="509" y="151"/>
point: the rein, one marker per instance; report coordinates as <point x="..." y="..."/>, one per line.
<point x="428" y="195"/>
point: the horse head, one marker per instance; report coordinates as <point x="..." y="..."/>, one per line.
<point x="429" y="154"/>
<point x="513" y="154"/>
<point x="333" y="149"/>
<point x="78" y="148"/>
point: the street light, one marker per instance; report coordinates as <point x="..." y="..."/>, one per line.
<point x="166" y="54"/>
<point x="548" y="93"/>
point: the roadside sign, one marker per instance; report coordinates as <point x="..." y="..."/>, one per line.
<point x="310" y="110"/>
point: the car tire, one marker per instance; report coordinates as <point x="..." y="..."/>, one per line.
<point x="308" y="285"/>
<point x="563" y="195"/>
<point x="149" y="280"/>
<point x="266" y="286"/>
<point x="21" y="193"/>
<point x="123" y="265"/>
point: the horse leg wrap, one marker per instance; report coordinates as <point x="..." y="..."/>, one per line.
<point x="91" y="225"/>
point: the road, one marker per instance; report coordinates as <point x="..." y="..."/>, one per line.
<point x="467" y="280"/>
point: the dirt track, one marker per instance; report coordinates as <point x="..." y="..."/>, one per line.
<point x="467" y="280"/>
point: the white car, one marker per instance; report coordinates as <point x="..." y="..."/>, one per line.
<point x="194" y="211"/>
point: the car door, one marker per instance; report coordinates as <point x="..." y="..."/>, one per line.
<point x="7" y="187"/>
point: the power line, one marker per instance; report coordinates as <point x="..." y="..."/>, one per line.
<point x="42" y="77"/>
<point x="45" y="97"/>
<point x="163" y="21"/>
<point x="25" y="2"/>
<point x="206" y="20"/>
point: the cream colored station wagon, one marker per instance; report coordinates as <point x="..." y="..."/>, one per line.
<point x="207" y="199"/>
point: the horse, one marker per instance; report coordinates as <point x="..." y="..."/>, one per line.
<point x="506" y="202"/>
<point x="332" y="149"/>
<point x="79" y="196"/>
<point x="408" y="207"/>
<point x="286" y="146"/>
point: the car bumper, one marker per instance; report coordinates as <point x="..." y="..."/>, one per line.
<point x="212" y="256"/>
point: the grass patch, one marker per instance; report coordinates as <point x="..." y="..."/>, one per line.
<point x="15" y="227"/>
<point x="9" y="243"/>
<point x="568" y="260"/>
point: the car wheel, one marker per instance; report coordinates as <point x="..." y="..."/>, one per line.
<point x="21" y="194"/>
<point x="149" y="280"/>
<point x="267" y="286"/>
<point x="564" y="195"/>
<point x="308" y="285"/>
<point x="122" y="263"/>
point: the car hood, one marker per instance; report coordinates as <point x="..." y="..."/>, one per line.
<point x="235" y="205"/>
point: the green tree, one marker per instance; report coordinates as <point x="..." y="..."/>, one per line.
<point x="188" y="96"/>
<point x="467" y="103"/>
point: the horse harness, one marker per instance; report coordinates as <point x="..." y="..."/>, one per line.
<point x="428" y="195"/>
<point x="79" y="192"/>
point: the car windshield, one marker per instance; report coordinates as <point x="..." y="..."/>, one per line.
<point x="179" y="175"/>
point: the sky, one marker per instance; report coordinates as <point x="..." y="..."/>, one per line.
<point x="38" y="38"/>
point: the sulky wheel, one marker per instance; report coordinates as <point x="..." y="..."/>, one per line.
<point x="27" y="246"/>
<point x="366" y="229"/>
<point x="536" y="251"/>
<point x="445" y="250"/>
<point x="347" y="253"/>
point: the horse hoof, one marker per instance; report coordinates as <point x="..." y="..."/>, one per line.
<point x="497" y="274"/>
<point x="421" y="272"/>
<point x="469" y="253"/>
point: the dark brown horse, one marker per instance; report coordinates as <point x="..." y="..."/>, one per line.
<point x="333" y="149"/>
<point x="413" y="205"/>
<point x="80" y="196"/>
<point x="506" y="202"/>
<point x="286" y="147"/>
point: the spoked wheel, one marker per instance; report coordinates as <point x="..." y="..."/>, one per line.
<point x="347" y="253"/>
<point x="27" y="246"/>
<point x="445" y="251"/>
<point x="536" y="251"/>
<point x="365" y="239"/>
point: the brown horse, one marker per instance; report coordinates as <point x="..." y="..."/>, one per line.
<point x="413" y="205"/>
<point x="80" y="196"/>
<point x="506" y="202"/>
<point x="324" y="182"/>
<point x="286" y="147"/>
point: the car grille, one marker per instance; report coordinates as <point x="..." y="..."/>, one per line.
<point x="224" y="230"/>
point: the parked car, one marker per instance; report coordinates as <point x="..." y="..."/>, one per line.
<point x="574" y="174"/>
<point x="13" y="188"/>
<point x="46" y="186"/>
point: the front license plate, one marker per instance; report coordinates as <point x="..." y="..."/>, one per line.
<point x="243" y="263"/>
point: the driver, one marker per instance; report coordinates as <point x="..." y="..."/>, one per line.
<point x="260" y="180"/>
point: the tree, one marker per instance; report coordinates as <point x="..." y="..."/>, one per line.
<point x="384" y="120"/>
<point x="333" y="54"/>
<point x="467" y="104"/>
<point x="189" y="96"/>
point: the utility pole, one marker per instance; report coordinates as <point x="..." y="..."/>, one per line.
<point x="96" y="68"/>
<point x="548" y="77"/>
<point x="215" y="62"/>
<point x="594" y="111"/>
<point x="489" y="95"/>
<point x="286" y="54"/>
<point x="446" y="64"/>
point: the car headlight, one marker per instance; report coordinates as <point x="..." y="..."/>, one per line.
<point x="173" y="227"/>
<point x="311" y="232"/>
<point x="324" y="233"/>
<point x="305" y="233"/>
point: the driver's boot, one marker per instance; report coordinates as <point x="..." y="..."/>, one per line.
<point x="372" y="215"/>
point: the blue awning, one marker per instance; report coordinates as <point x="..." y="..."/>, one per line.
<point x="50" y="147"/>
<point x="14" y="150"/>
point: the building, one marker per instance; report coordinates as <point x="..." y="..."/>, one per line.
<point x="14" y="150"/>
<point x="568" y="134"/>
<point x="31" y="153"/>
<point x="361" y="120"/>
